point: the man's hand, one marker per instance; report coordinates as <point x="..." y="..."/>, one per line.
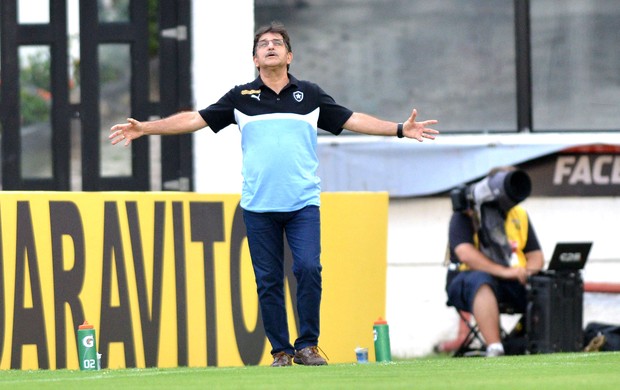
<point x="418" y="130"/>
<point x="126" y="131"/>
<point x="516" y="273"/>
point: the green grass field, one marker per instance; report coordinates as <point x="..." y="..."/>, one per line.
<point x="552" y="371"/>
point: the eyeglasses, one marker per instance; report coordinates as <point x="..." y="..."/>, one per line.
<point x="265" y="42"/>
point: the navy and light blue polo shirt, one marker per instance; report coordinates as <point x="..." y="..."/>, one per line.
<point x="278" y="140"/>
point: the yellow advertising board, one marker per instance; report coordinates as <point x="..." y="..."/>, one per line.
<point x="166" y="279"/>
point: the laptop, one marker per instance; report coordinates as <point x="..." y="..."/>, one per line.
<point x="569" y="256"/>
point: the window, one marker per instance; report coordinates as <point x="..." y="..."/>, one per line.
<point x="35" y="109"/>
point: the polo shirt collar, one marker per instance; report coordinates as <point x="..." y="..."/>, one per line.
<point x="292" y="81"/>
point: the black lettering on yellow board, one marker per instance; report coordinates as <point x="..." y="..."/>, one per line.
<point x="65" y="220"/>
<point x="151" y="324"/>
<point x="28" y="322"/>
<point x="250" y="344"/>
<point x="115" y="321"/>
<point x="207" y="226"/>
<point x="180" y="282"/>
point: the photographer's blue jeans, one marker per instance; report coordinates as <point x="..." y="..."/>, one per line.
<point x="465" y="285"/>
<point x="265" y="233"/>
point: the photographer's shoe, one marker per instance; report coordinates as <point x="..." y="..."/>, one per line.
<point x="495" y="350"/>
<point x="309" y="356"/>
<point x="282" y="359"/>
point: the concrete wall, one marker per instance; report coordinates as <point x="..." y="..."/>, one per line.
<point x="222" y="36"/>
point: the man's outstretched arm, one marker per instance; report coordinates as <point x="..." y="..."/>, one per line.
<point x="367" y="124"/>
<point x="181" y="123"/>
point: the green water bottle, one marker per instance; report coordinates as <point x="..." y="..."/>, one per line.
<point x="87" y="347"/>
<point x="381" y="331"/>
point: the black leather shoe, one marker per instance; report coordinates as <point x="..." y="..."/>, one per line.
<point x="282" y="359"/>
<point x="309" y="356"/>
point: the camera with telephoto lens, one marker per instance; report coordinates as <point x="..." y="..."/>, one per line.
<point x="505" y="188"/>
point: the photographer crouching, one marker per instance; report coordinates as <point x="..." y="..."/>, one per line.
<point x="493" y="249"/>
